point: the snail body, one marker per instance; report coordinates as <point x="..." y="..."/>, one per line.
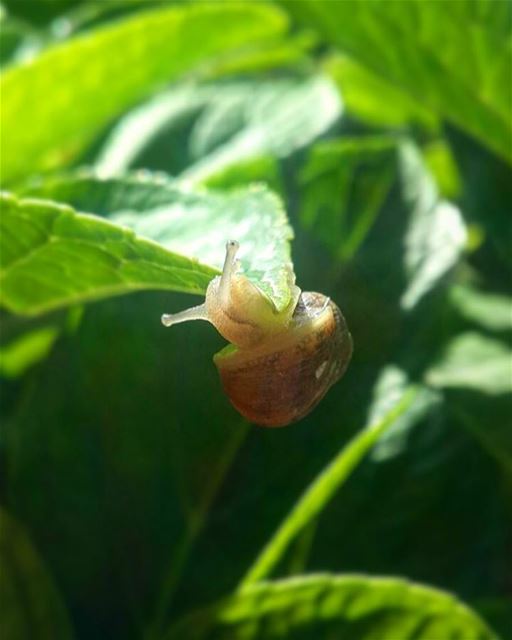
<point x="279" y="366"/>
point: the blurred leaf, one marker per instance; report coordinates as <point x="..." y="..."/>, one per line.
<point x="19" y="40"/>
<point x="85" y="15"/>
<point x="253" y="119"/>
<point x="474" y="361"/>
<point x="375" y="101"/>
<point x="489" y="310"/>
<point x="23" y="352"/>
<point x="31" y="606"/>
<point x="324" y="487"/>
<point x="389" y="388"/>
<point x="142" y="125"/>
<point x="52" y="257"/>
<point x="39" y="11"/>
<point x="342" y="607"/>
<point x="260" y="169"/>
<point x="454" y="58"/>
<point x="441" y="163"/>
<point x="236" y="122"/>
<point x="262" y="56"/>
<point x="344" y="185"/>
<point x="90" y="82"/>
<point x="436" y="234"/>
<point x="192" y="223"/>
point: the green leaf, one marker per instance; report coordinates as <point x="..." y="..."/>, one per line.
<point x="142" y="125"/>
<point x="348" y="607"/>
<point x="489" y="310"/>
<point x="323" y="488"/>
<point x="388" y="390"/>
<point x="275" y="118"/>
<point x="436" y="234"/>
<point x="262" y="56"/>
<point x="441" y="163"/>
<point x="51" y="257"/>
<point x="192" y="223"/>
<point x="454" y="58"/>
<point x="31" y="606"/>
<point x="23" y="352"/>
<point x="474" y="361"/>
<point x="236" y="122"/>
<point x="19" y="40"/>
<point x="372" y="100"/>
<point x="260" y="169"/>
<point x="97" y="75"/>
<point x="345" y="183"/>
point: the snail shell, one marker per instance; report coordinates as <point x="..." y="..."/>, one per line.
<point x="284" y="379"/>
<point x="278" y="368"/>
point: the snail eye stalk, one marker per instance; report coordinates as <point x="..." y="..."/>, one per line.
<point x="229" y="268"/>
<point x="200" y="312"/>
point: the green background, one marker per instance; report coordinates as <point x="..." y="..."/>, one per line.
<point x="137" y="498"/>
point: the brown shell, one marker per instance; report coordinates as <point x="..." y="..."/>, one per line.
<point x="282" y="381"/>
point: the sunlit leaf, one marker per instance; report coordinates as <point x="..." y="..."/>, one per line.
<point x="436" y="233"/>
<point x="52" y="256"/>
<point x="454" y="58"/>
<point x="263" y="169"/>
<point x="235" y="121"/>
<point x="260" y="57"/>
<point x="96" y="75"/>
<point x="31" y="605"/>
<point x="277" y="117"/>
<point x="474" y="361"/>
<point x="143" y="124"/>
<point x="373" y="100"/>
<point x="489" y="310"/>
<point x="342" y="607"/>
<point x="190" y="223"/>
<point x="440" y="161"/>
<point x="389" y="388"/>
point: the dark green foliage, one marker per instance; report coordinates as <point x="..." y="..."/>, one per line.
<point x="136" y="134"/>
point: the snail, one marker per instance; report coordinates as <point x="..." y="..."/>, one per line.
<point x="279" y="365"/>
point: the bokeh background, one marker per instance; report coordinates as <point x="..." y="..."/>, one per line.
<point x="123" y="464"/>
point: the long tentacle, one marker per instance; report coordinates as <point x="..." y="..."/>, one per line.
<point x="194" y="313"/>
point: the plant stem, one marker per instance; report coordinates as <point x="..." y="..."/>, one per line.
<point x="321" y="490"/>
